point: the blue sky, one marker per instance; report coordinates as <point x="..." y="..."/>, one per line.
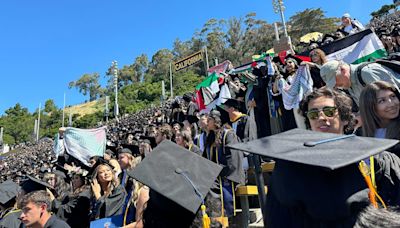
<point x="45" y="44"/>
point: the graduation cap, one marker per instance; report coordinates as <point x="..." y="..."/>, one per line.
<point x="149" y="140"/>
<point x="223" y="114"/>
<point x="317" y="172"/>
<point x="32" y="184"/>
<point x="192" y="119"/>
<point x="315" y="149"/>
<point x="179" y="180"/>
<point x="111" y="146"/>
<point x="237" y="104"/>
<point x="8" y="191"/>
<point x="130" y="149"/>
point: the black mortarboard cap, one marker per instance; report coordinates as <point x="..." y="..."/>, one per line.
<point x="177" y="174"/>
<point x="33" y="184"/>
<point x="111" y="146"/>
<point x="192" y="119"/>
<point x="152" y="140"/>
<point x="130" y="149"/>
<point x="237" y="104"/>
<point x="8" y="191"/>
<point x="224" y="115"/>
<point x="297" y="146"/>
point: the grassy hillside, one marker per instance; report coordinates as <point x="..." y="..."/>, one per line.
<point x="86" y="108"/>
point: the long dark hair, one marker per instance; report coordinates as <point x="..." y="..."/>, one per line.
<point x="369" y="116"/>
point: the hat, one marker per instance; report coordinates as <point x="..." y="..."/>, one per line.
<point x="328" y="73"/>
<point x="129" y="149"/>
<point x="8" y="191"/>
<point x="149" y="140"/>
<point x="316" y="149"/>
<point x="192" y="119"/>
<point x="32" y="184"/>
<point x="346" y="15"/>
<point x="234" y="103"/>
<point x="220" y="113"/>
<point x="178" y="175"/>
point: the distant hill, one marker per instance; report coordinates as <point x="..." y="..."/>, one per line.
<point x="86" y="108"/>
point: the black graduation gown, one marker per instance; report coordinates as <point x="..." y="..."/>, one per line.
<point x="304" y="196"/>
<point x="74" y="209"/>
<point x="112" y="205"/>
<point x="241" y="125"/>
<point x="55" y="222"/>
<point x="11" y="220"/>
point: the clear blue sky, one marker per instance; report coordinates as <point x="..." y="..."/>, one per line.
<point x="46" y="44"/>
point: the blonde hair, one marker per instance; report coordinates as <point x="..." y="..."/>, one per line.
<point x="114" y="182"/>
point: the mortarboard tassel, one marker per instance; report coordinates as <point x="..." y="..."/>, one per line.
<point x="362" y="166"/>
<point x="206" y="219"/>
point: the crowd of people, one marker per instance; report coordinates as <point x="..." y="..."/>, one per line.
<point x="156" y="156"/>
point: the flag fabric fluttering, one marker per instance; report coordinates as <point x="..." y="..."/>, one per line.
<point x="85" y="143"/>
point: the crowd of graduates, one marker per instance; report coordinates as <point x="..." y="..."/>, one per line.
<point x="177" y="165"/>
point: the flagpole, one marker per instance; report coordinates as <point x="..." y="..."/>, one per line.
<point x="63" y="114"/>
<point x="207" y="66"/>
<point x="170" y="80"/>
<point x="38" y="125"/>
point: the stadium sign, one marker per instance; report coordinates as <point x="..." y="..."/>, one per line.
<point x="188" y="61"/>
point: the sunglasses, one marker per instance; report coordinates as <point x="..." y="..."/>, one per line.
<point x="328" y="111"/>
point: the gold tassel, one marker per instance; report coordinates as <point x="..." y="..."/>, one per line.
<point x="206" y="219"/>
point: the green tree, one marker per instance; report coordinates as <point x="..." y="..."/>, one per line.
<point x="18" y="125"/>
<point x="140" y="67"/>
<point x="310" y="20"/>
<point x="88" y="83"/>
<point x="159" y="66"/>
<point x="50" y="106"/>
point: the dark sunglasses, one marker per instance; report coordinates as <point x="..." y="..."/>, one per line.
<point x="328" y="111"/>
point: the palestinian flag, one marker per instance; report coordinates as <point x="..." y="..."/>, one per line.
<point x="356" y="48"/>
<point x="207" y="90"/>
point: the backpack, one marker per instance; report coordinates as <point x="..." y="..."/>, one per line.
<point x="389" y="63"/>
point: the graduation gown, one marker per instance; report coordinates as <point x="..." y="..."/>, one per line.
<point x="304" y="196"/>
<point x="74" y="209"/>
<point x="11" y="220"/>
<point x="55" y="222"/>
<point x="111" y="205"/>
<point x="239" y="126"/>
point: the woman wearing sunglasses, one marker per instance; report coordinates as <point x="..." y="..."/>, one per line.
<point x="379" y="109"/>
<point x="327" y="110"/>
